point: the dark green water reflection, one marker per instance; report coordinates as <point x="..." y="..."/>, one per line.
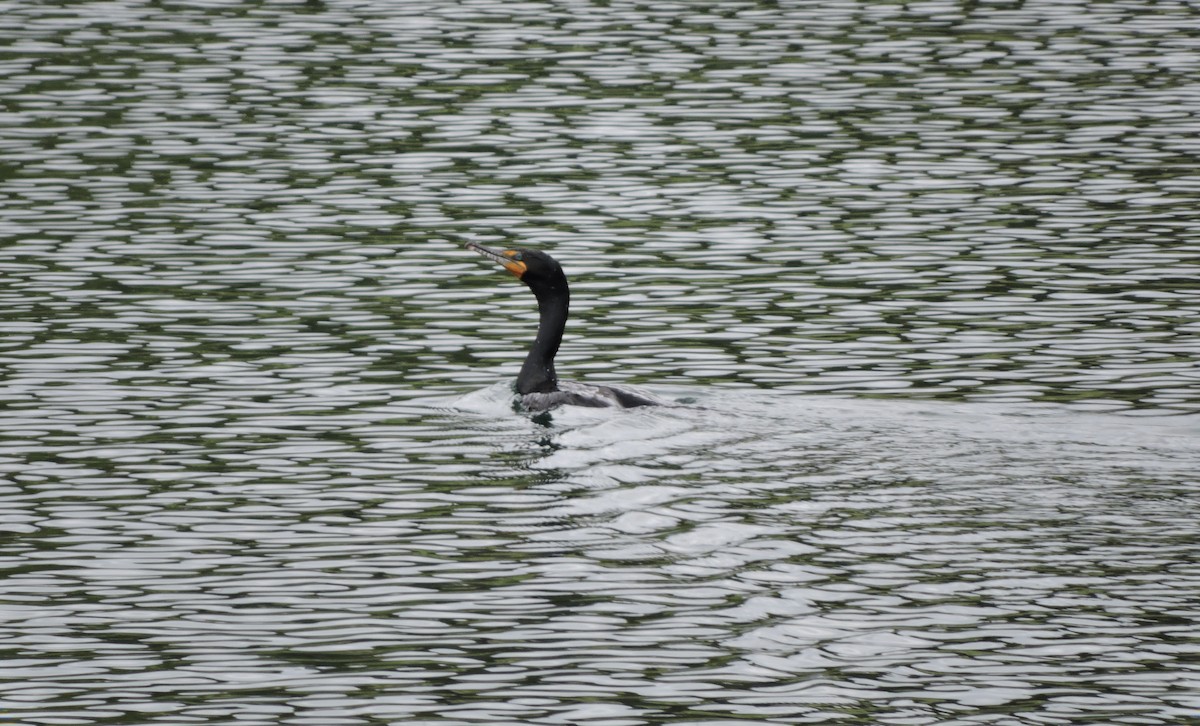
<point x="959" y="201"/>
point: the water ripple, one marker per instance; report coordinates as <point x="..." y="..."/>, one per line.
<point x="259" y="457"/>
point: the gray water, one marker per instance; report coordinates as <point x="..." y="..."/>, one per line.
<point x="924" y="276"/>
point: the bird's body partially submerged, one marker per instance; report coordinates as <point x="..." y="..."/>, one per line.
<point x="582" y="394"/>
<point x="538" y="383"/>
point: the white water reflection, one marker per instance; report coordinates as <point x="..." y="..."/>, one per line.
<point x="777" y="556"/>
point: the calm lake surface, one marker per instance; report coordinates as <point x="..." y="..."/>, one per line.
<point x="925" y="278"/>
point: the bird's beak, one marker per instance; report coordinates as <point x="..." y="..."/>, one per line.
<point x="504" y="258"/>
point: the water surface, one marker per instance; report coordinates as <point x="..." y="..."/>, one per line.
<point x="926" y="273"/>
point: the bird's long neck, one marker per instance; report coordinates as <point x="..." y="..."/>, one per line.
<point x="537" y="374"/>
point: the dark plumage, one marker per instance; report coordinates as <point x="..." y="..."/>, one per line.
<point x="537" y="383"/>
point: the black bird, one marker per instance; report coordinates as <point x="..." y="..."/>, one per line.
<point x="537" y="383"/>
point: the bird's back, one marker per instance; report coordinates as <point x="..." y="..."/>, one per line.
<point x="581" y="394"/>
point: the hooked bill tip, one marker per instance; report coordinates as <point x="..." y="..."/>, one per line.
<point x="485" y="251"/>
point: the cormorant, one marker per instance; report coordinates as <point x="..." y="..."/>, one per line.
<point x="537" y="382"/>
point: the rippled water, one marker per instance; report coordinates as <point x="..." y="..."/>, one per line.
<point x="260" y="459"/>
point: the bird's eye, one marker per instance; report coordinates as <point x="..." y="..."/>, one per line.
<point x="514" y="255"/>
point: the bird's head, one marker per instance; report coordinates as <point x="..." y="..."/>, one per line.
<point x="536" y="269"/>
